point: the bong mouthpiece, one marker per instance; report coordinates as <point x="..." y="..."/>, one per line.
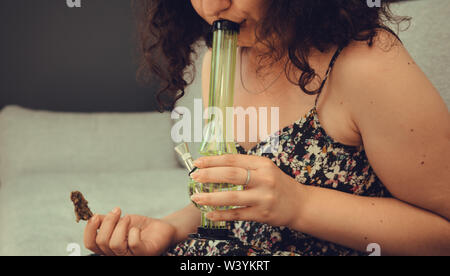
<point x="225" y="25"/>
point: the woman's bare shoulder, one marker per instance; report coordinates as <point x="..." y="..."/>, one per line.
<point x="381" y="72"/>
<point x="360" y="61"/>
<point x="403" y="121"/>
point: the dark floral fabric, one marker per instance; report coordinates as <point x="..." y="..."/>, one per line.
<point x="304" y="151"/>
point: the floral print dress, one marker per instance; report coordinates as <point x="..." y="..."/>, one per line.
<point x="305" y="152"/>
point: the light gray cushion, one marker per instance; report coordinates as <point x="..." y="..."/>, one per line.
<point x="42" y="141"/>
<point x="37" y="216"/>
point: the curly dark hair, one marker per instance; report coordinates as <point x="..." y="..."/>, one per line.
<point x="170" y="32"/>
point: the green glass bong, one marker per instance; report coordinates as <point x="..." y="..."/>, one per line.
<point x="218" y="137"/>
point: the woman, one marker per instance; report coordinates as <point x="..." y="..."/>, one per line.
<point x="366" y="162"/>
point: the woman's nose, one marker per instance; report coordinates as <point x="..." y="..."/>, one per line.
<point x="215" y="7"/>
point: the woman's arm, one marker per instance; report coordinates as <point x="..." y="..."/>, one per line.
<point x="185" y="222"/>
<point x="356" y="221"/>
<point x="405" y="128"/>
<point x="404" y="125"/>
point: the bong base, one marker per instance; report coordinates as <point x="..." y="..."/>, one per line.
<point x="212" y="234"/>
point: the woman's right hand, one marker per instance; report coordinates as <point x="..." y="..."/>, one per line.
<point x="112" y="235"/>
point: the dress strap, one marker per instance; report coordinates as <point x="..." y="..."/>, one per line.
<point x="333" y="60"/>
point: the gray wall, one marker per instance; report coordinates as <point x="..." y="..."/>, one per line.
<point x="80" y="59"/>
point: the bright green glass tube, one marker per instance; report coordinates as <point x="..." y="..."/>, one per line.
<point x="218" y="138"/>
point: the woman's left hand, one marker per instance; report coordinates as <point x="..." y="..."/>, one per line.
<point x="271" y="196"/>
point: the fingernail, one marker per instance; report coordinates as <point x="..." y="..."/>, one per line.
<point x="195" y="197"/>
<point x="198" y="162"/>
<point x="194" y="174"/>
<point x="116" y="210"/>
